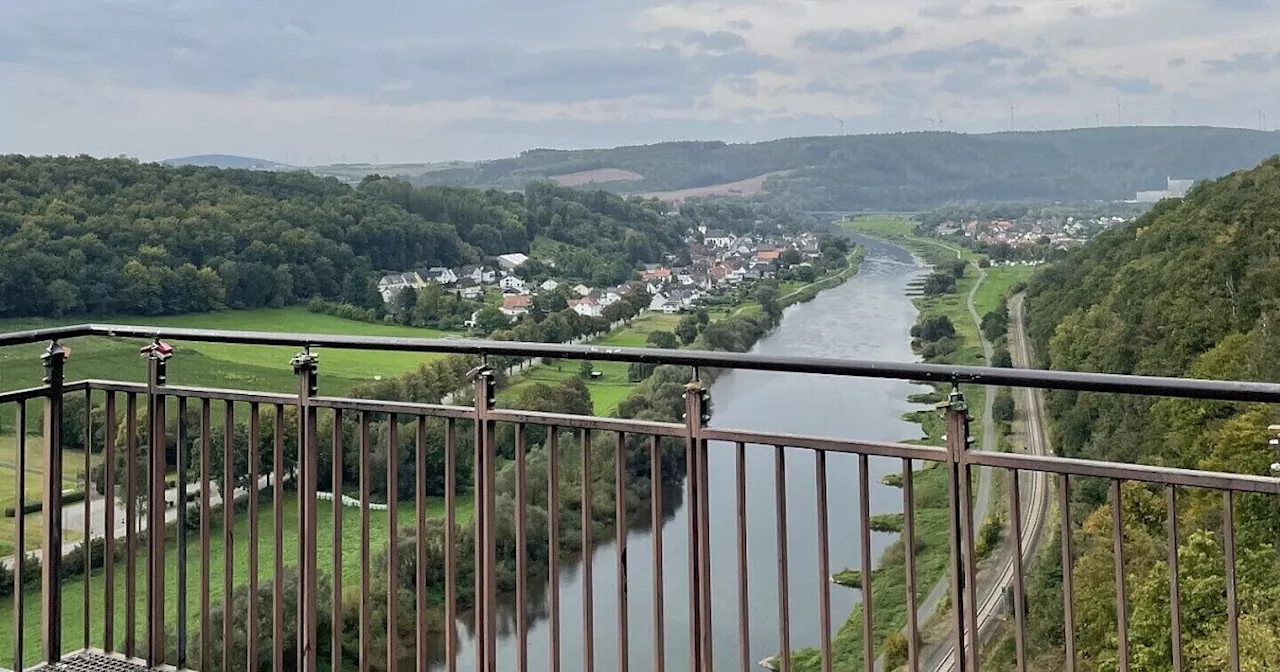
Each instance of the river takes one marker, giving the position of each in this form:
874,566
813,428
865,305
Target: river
868,317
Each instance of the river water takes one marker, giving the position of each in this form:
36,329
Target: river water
868,317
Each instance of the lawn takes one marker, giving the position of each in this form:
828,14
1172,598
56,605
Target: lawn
219,365
999,280
73,470
73,589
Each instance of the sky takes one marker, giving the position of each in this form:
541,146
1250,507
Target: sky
326,81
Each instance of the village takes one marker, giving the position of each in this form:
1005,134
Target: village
717,262
1056,232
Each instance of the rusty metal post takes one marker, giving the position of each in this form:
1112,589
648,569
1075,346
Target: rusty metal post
54,359
157,354
486,553
304,367
697,414
956,413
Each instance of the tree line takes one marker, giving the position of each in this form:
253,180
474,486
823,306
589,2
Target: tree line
85,236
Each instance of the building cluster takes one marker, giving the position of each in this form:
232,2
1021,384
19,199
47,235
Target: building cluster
1058,232
1173,189
717,261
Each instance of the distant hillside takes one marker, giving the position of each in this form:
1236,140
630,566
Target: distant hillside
223,161
905,171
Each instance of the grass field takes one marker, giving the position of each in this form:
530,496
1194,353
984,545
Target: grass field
215,364
73,590
612,387
73,472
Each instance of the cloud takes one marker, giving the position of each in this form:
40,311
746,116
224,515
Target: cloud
720,40
1002,10
976,53
1255,62
1239,5
1130,85
849,41
943,10
1176,62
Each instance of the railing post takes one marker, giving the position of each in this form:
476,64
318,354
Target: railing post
485,552
54,359
697,414
956,413
157,354
305,366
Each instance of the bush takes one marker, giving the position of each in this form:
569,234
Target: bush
989,537
68,497
1002,409
896,651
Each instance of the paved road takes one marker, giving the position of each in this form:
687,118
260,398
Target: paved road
1035,503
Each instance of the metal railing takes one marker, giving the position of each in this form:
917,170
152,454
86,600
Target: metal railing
149,534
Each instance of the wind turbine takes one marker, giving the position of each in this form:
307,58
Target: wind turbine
839,120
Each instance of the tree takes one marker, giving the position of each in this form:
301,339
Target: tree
956,267
939,283
767,296
1002,409
934,328
491,319
789,257
403,303
662,339
687,329
588,367
1001,358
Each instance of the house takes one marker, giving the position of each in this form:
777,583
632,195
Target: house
483,275
663,304
515,306
685,279
471,323
586,307
717,274
549,285
683,298
390,285
654,287
768,254
510,262
467,288
581,290
441,274
661,273
511,285
718,238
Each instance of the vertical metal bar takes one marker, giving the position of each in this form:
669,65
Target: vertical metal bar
450,530
393,560
522,625
420,580
1233,612
704,552
478,521
864,511
784,599
206,520
968,527
1122,604
228,494
304,367
365,444
87,530
131,524
1068,583
277,510
181,502
255,435
744,606
156,468
693,420
51,555
553,539
588,600
1019,592
957,436
620,526
109,523
824,559
909,542
336,629
655,523
1175,590
20,558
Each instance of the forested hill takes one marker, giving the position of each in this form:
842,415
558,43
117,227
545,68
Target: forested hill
102,237
1190,289
906,171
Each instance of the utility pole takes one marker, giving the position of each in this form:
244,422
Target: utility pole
1119,113
1013,121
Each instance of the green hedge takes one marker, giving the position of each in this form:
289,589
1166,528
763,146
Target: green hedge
68,497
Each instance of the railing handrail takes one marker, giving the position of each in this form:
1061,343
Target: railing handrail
1218,390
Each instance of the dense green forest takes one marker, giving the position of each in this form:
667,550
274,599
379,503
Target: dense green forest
907,171
1190,289
90,236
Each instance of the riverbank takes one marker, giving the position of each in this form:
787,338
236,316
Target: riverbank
975,293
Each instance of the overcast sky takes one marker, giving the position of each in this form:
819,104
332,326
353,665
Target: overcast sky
320,81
